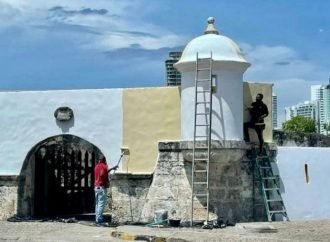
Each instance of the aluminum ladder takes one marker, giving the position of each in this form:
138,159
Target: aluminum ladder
202,137
270,188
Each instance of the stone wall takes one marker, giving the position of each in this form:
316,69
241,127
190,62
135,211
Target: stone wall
8,196
127,196
234,193
133,197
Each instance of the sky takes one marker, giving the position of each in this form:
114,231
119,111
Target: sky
57,44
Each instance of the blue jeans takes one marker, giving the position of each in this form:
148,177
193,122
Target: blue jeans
100,201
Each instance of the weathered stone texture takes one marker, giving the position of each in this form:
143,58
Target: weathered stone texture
8,196
230,182
8,202
127,196
135,199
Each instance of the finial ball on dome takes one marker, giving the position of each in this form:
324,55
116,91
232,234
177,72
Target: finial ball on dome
211,20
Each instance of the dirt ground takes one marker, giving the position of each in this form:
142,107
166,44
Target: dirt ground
318,230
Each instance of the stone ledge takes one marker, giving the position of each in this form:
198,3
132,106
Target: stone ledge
11,180
188,145
131,176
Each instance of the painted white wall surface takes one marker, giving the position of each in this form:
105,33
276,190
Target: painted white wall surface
227,118
27,117
305,201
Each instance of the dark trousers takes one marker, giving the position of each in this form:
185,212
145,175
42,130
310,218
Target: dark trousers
259,128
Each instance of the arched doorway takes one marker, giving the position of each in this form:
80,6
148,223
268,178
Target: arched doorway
61,179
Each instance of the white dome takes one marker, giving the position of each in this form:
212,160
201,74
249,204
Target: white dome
223,49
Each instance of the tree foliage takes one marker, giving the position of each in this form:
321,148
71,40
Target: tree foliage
326,126
300,124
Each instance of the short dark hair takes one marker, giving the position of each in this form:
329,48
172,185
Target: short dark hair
261,95
102,158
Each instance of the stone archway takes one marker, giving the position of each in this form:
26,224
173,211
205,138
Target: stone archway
57,178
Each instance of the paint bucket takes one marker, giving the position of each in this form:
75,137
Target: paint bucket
174,222
161,216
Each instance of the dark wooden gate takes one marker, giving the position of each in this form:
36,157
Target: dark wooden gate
64,179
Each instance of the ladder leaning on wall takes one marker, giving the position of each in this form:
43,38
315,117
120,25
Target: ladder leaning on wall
270,188
202,137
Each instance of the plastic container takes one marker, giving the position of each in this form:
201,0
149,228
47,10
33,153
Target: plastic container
174,222
161,216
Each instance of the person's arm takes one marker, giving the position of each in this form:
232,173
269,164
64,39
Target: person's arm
265,112
113,168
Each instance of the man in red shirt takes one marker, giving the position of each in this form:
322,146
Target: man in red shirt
101,184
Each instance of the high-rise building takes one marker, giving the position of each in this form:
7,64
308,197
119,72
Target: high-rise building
306,109
320,94
173,76
274,110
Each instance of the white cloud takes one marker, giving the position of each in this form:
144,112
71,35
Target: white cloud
280,62
291,74
117,26
124,40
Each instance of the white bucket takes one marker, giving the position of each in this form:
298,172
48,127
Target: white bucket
161,216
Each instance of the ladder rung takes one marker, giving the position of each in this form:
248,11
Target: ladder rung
270,189
265,167
275,200
202,114
200,183
205,91
205,58
202,125
200,148
201,159
270,178
204,69
200,136
202,102
200,171
204,80
200,194
277,211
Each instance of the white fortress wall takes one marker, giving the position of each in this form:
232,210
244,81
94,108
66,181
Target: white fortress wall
27,117
304,200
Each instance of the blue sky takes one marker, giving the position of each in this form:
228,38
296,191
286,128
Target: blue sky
57,44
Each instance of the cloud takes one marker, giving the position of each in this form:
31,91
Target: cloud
102,25
59,10
291,74
124,40
280,62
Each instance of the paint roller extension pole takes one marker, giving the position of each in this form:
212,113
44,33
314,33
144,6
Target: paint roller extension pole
124,151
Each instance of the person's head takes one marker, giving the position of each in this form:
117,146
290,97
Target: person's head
259,97
102,159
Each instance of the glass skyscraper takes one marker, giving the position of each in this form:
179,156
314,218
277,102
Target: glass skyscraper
173,76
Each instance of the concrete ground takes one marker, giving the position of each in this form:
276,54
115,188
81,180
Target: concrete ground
83,231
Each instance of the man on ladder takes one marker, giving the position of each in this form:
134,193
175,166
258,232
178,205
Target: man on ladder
258,112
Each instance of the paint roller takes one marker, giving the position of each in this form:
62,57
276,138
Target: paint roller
124,151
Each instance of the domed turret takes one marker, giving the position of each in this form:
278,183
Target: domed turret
223,50
229,65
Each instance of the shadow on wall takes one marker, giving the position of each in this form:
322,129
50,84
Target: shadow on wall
65,126
215,133
57,177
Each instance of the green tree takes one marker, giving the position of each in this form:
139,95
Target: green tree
300,124
326,126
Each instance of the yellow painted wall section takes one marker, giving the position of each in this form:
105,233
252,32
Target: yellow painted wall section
150,115
250,91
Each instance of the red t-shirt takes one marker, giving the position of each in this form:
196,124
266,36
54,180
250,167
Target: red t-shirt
101,175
